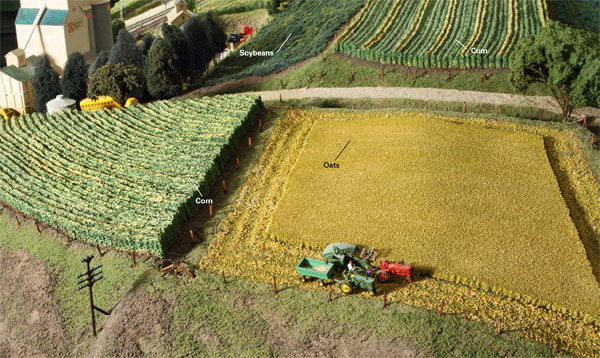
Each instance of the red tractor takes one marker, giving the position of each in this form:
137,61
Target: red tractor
387,269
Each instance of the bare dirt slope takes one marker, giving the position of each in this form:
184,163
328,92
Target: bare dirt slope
30,325
135,328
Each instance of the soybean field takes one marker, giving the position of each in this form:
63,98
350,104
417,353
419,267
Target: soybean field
441,33
120,178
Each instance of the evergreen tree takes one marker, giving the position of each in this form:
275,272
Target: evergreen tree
74,79
100,61
117,26
200,48
125,51
118,81
191,5
565,60
216,34
46,85
179,46
164,81
146,43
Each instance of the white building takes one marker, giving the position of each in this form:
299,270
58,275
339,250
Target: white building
56,28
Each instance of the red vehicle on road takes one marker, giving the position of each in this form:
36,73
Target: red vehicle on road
387,269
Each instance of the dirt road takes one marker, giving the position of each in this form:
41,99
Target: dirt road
429,94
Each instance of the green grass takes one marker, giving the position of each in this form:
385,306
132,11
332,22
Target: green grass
233,23
220,7
64,265
241,318
336,70
442,196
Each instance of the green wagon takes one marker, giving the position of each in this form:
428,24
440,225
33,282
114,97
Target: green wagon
309,269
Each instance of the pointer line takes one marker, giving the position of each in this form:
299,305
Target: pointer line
342,151
284,42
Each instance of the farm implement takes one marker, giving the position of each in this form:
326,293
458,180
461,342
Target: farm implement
387,269
310,269
336,268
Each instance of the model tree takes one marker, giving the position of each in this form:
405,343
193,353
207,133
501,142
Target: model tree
74,79
45,84
200,48
100,61
164,81
116,80
145,44
273,6
191,5
117,26
125,51
216,34
179,46
565,60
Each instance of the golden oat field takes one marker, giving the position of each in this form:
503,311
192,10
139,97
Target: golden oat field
451,198
246,246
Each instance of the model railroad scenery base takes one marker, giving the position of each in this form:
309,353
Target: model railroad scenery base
123,178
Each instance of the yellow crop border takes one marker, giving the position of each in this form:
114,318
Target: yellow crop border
241,249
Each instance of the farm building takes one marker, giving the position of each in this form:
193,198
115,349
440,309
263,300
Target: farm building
179,14
16,84
55,28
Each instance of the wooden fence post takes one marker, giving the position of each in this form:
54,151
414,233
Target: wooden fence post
280,99
381,72
425,105
192,235
237,162
224,183
384,299
249,142
585,118
37,226
133,258
389,104
441,310
223,275
210,210
500,109
260,124
274,285
498,327
464,107
329,300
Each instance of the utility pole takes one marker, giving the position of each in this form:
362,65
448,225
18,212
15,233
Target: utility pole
88,279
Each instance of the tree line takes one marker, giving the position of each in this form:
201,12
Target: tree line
158,67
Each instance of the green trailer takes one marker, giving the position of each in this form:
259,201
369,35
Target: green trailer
309,269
